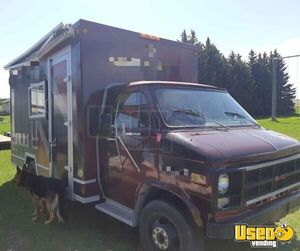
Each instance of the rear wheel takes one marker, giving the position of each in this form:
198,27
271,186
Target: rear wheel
164,227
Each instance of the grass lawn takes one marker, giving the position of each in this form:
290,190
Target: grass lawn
289,126
87,229
4,124
298,109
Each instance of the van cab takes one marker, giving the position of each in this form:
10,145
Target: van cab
185,156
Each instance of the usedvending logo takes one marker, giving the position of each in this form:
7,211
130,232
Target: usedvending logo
264,236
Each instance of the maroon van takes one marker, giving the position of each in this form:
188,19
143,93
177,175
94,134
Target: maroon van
120,115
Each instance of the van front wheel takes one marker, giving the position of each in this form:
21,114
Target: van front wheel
164,227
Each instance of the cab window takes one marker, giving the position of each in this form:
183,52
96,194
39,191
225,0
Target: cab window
132,113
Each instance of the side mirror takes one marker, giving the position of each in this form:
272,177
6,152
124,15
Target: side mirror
106,118
105,124
145,132
113,131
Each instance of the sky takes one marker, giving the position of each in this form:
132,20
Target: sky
231,24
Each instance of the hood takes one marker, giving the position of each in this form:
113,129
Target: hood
232,147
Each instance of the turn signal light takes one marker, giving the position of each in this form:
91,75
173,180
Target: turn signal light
198,178
143,35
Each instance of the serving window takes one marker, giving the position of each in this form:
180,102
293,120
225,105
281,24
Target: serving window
37,100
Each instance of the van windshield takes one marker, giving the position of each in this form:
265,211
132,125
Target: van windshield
206,108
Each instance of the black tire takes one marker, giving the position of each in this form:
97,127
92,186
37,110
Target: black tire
163,227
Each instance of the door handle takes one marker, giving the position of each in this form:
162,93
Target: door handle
67,123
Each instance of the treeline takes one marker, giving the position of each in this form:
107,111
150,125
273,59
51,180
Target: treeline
249,82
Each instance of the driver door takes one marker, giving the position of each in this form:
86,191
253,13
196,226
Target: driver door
125,148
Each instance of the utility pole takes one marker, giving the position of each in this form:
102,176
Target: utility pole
274,89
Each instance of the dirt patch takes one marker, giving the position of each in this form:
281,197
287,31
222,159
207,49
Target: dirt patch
17,242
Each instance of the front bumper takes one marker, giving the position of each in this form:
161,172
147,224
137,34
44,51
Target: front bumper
268,213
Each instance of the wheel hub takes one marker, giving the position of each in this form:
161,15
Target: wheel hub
160,238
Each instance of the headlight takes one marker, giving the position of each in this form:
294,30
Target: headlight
223,184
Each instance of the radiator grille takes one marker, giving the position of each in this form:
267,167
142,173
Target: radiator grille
269,179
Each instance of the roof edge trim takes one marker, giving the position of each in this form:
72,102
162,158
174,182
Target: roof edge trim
42,40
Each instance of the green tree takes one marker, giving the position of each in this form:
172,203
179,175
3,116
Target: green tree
249,82
262,82
240,82
184,37
189,38
193,38
212,65
286,93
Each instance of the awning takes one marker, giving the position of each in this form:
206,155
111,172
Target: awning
57,35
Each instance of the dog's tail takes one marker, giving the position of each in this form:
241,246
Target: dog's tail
61,214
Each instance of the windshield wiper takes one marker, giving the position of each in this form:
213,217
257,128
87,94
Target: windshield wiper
190,112
218,123
201,115
243,117
235,114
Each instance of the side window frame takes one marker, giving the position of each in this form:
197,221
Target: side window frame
35,86
150,115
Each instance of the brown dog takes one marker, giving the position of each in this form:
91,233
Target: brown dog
43,189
